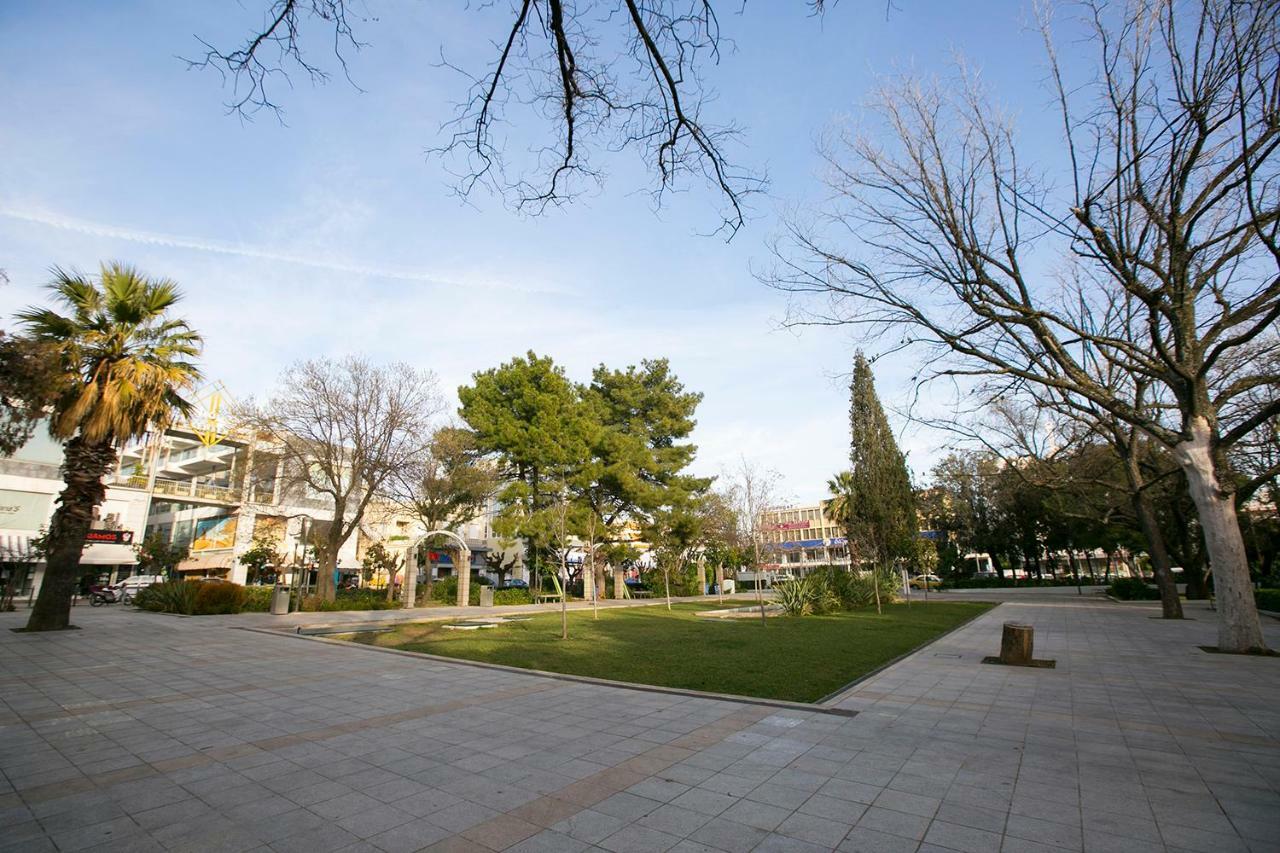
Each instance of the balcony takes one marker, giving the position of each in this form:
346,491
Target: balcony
196,492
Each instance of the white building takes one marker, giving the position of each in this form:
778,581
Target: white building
30,482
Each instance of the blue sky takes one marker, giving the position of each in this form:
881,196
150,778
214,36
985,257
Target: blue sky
334,233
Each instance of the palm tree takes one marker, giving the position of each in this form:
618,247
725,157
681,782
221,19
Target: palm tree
838,506
124,364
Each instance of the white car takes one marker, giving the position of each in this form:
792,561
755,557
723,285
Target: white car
133,584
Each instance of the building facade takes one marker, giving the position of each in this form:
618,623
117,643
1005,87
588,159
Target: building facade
798,538
218,498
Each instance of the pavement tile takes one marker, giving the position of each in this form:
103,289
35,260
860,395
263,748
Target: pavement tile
966,839
728,835
589,825
702,800
635,838
894,823
863,840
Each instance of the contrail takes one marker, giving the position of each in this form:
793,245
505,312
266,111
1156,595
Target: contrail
153,238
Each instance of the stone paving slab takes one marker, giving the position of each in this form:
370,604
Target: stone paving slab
149,733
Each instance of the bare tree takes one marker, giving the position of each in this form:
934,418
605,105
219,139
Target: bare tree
446,485
608,75
342,429
753,491
1168,225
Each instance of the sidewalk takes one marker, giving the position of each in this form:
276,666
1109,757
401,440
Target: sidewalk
142,732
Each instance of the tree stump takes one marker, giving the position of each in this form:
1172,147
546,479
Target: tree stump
1016,644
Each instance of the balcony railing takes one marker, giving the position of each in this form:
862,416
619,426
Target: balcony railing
193,489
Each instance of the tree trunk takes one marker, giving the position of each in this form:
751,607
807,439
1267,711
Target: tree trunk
1170,605
599,569
619,584
720,582
1239,627
83,467
325,588
564,601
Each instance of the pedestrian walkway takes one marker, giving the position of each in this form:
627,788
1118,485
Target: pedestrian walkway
144,732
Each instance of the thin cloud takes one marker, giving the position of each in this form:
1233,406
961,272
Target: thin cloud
153,238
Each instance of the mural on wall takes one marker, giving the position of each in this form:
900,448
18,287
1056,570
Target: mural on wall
270,528
215,533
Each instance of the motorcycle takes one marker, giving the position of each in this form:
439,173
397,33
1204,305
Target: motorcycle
100,595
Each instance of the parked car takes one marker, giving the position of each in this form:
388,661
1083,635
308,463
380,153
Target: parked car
925,582
137,582
515,583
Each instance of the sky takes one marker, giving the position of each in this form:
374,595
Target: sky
333,232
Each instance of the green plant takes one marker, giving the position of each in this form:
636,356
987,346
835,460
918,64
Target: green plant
811,594
1267,599
355,599
506,597
215,598
169,597
261,562
257,599
159,556
1133,589
793,597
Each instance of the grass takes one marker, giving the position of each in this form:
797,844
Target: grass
800,659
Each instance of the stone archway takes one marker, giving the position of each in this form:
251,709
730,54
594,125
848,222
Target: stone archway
461,567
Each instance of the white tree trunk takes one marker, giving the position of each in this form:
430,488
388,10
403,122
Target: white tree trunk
462,568
409,586
1239,628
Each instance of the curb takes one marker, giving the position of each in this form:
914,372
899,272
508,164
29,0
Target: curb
781,704
836,695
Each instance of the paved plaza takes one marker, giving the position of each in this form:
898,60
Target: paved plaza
145,732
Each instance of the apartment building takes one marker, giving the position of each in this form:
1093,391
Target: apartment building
801,537
216,497
30,481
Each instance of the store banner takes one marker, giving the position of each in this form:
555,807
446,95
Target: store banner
24,510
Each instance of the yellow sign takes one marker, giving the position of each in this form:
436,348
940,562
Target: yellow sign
209,425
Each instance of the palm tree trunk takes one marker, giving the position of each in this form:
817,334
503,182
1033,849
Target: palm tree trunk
83,467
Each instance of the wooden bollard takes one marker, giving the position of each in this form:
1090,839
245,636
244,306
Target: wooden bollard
1016,644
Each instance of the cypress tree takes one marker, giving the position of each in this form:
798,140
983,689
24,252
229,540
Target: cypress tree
881,509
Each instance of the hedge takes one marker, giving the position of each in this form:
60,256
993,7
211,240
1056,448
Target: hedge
1267,599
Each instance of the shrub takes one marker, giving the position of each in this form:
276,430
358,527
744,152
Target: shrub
860,589
352,599
1133,589
793,597
169,597
809,594
512,596
1268,599
257,599
214,598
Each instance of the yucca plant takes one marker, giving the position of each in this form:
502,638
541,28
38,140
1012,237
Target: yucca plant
125,364
793,597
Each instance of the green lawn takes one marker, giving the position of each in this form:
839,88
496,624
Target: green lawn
801,659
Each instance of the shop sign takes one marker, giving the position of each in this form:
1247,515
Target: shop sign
109,537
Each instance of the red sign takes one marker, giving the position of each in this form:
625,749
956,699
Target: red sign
791,525
110,537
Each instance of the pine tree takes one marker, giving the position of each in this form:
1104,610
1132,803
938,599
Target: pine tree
880,511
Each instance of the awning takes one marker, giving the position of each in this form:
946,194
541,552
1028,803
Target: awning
218,563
